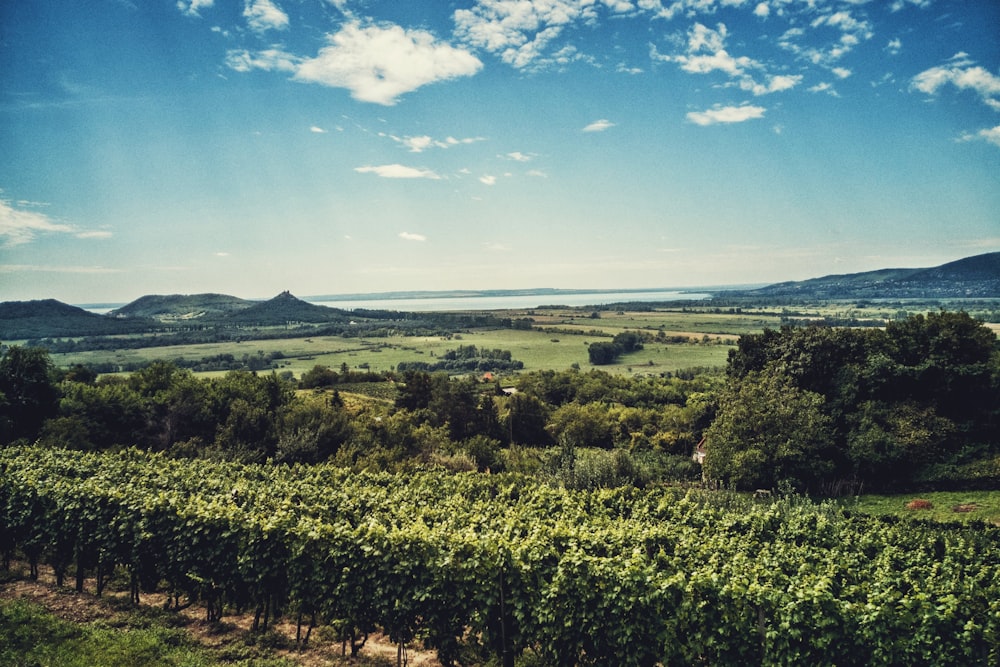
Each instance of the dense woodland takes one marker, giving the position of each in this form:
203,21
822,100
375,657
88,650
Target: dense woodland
809,409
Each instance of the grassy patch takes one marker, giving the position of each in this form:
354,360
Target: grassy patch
29,635
962,506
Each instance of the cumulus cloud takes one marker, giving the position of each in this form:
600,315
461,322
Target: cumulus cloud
848,32
991,135
194,7
410,236
964,74
706,53
317,130
18,226
894,46
518,156
380,63
488,180
599,125
264,15
397,171
724,115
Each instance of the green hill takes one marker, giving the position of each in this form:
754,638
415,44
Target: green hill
174,307
48,318
972,277
284,309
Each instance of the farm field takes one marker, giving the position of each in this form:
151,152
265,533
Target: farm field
558,340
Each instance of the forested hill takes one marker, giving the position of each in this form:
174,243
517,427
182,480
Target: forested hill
48,317
24,320
182,306
972,277
287,308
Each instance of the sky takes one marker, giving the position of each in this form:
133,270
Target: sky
248,147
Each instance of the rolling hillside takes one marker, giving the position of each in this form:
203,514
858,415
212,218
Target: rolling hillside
972,277
175,307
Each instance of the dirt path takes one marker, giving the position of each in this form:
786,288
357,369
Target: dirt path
86,607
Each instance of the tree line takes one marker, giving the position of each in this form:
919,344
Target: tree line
822,409
810,409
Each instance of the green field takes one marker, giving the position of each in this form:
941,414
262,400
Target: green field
559,340
960,506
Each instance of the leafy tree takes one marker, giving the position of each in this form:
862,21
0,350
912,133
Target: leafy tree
769,434
602,353
28,393
312,431
588,425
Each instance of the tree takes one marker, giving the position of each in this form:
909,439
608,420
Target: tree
28,393
602,353
768,433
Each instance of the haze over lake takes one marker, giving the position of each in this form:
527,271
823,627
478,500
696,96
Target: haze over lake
439,303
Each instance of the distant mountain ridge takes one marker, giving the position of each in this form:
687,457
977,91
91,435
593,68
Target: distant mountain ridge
50,318
972,277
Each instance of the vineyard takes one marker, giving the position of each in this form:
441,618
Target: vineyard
502,569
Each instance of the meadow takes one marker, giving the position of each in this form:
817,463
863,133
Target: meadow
558,340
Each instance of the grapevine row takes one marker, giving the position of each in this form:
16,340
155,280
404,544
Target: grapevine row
480,566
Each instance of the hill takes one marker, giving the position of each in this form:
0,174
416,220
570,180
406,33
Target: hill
283,309
175,307
48,318
972,277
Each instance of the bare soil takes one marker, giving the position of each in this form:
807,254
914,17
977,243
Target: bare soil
232,632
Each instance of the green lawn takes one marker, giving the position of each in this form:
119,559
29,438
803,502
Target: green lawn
963,506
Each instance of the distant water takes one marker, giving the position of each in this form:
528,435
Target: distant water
445,303
426,304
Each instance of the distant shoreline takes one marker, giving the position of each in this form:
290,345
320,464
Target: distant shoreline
684,293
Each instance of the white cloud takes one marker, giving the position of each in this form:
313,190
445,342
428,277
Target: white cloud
518,156
992,135
18,227
421,143
264,15
94,234
964,75
841,72
380,63
222,254
599,125
194,7
762,10
825,87
731,114
706,53
537,173
410,236
488,180
269,60
397,171
517,30
894,46
317,130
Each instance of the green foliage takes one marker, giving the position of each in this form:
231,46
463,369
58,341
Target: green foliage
493,565
896,402
28,395
768,434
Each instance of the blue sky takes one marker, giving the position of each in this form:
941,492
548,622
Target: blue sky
338,146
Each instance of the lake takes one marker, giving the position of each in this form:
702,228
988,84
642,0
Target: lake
478,302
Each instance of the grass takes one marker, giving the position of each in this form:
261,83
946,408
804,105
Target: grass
960,506
30,635
559,340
